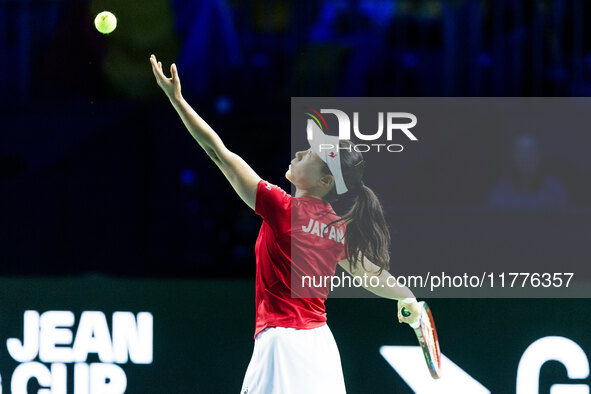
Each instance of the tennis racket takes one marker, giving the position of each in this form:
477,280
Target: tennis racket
427,335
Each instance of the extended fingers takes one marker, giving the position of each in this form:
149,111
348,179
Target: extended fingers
174,71
157,68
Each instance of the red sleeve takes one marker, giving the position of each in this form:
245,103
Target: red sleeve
273,204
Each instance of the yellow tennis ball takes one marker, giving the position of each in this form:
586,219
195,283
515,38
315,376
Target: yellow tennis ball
105,22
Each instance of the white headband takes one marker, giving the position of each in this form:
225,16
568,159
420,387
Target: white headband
326,147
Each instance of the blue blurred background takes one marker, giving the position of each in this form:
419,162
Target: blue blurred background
101,184
98,174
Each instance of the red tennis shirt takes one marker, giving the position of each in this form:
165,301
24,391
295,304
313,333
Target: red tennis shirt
295,252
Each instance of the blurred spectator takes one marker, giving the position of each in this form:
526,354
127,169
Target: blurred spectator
527,187
210,49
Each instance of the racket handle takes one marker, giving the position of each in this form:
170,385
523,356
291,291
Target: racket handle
406,313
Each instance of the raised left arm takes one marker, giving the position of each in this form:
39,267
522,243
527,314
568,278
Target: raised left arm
241,176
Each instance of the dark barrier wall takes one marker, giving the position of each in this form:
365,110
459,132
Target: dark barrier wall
202,336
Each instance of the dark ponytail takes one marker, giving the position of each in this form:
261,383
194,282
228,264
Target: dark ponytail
367,233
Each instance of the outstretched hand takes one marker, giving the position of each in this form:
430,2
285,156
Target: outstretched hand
170,86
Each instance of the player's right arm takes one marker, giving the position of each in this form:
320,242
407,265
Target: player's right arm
241,176
387,287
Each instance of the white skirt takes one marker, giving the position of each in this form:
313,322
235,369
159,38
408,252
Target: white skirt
293,361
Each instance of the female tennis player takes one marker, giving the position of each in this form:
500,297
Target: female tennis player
294,350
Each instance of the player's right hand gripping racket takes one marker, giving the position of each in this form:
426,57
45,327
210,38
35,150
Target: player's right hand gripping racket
427,336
